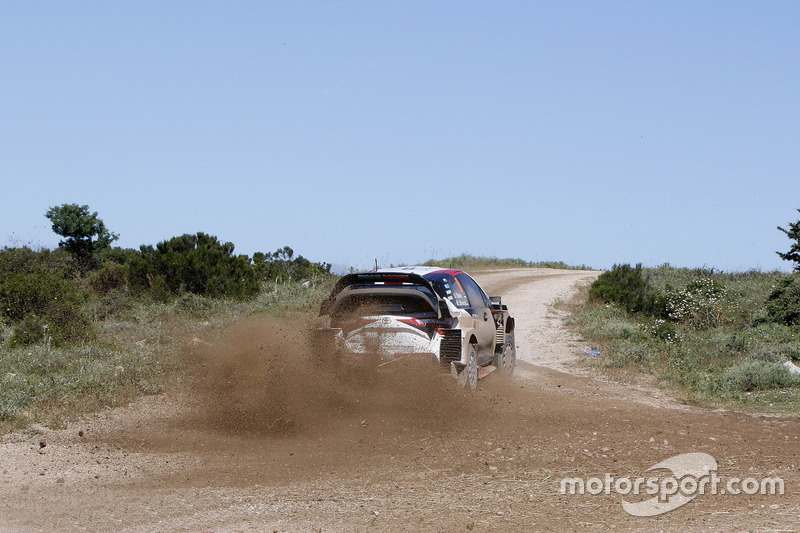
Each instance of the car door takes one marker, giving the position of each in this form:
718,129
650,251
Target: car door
480,307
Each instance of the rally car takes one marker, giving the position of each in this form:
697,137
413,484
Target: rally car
424,313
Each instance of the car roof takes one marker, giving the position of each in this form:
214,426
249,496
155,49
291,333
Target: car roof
421,270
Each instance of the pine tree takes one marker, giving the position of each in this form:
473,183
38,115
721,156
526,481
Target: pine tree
84,233
794,252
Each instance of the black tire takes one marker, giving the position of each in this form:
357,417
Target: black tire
469,376
506,359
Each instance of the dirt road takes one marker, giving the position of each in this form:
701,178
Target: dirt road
257,438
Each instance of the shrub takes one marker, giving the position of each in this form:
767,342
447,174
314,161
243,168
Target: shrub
618,330
698,305
767,355
777,354
760,375
40,300
198,264
109,277
783,305
282,265
627,287
791,351
195,305
665,331
113,303
20,260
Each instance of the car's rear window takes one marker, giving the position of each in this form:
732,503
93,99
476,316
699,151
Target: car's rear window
383,304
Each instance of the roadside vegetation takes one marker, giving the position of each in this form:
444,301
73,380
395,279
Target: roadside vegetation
88,325
474,263
714,337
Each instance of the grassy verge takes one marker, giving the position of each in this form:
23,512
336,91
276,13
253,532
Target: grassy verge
471,262
714,344
134,351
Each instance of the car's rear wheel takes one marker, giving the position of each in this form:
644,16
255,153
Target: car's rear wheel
469,376
506,359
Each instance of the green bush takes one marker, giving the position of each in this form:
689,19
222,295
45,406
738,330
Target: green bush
760,375
40,299
114,303
665,331
777,354
618,330
20,260
627,287
783,305
198,264
767,355
282,265
109,277
195,305
698,305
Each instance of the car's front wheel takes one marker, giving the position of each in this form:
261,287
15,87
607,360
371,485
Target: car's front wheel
506,359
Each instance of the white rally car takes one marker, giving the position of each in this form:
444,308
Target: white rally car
428,313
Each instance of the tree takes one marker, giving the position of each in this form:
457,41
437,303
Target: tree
198,264
281,264
794,252
84,234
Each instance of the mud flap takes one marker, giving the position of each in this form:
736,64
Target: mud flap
456,369
483,371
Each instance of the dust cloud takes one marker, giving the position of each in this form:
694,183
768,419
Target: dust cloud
270,376
263,401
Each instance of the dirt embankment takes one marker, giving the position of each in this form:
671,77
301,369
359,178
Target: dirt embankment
260,438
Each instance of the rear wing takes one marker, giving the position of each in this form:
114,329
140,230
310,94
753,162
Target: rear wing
497,303
366,279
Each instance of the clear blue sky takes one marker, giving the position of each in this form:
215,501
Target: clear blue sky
588,132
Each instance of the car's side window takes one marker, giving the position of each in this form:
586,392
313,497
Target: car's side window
477,298
449,287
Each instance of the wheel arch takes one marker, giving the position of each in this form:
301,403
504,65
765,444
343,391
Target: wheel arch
469,340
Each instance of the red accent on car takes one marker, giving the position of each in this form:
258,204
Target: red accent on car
447,271
417,323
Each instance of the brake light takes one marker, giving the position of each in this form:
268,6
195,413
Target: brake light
395,277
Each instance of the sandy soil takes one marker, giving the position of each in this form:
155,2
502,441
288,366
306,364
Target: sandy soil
260,438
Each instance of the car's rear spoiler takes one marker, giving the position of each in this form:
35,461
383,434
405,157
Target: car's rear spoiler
378,278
